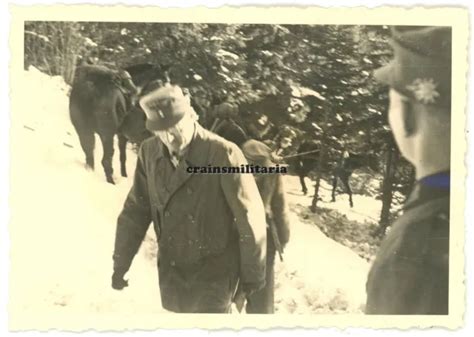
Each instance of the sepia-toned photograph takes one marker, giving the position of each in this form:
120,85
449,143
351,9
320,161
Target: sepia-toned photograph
279,169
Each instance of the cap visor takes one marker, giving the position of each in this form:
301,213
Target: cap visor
163,123
385,74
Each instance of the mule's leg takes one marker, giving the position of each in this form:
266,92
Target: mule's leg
87,140
334,187
345,181
108,145
303,185
316,196
122,142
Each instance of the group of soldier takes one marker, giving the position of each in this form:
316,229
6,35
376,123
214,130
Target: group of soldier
218,235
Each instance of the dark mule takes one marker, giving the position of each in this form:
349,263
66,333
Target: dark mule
143,74
102,102
305,161
348,163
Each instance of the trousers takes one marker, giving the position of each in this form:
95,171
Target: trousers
262,301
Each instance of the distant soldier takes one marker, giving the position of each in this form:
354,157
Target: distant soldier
411,272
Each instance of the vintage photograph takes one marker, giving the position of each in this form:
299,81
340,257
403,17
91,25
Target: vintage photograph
234,168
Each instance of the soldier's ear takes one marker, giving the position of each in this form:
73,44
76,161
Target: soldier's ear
409,118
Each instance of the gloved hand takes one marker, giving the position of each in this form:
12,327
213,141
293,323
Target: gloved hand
276,158
118,283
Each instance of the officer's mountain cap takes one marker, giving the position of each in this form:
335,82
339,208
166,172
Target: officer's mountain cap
165,107
421,68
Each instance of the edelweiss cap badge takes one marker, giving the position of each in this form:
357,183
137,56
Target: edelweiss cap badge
421,68
424,90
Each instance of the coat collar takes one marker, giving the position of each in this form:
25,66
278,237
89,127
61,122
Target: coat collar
197,155
429,188
198,151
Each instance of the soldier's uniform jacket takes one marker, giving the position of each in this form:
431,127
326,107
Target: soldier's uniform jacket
411,272
270,186
211,227
272,191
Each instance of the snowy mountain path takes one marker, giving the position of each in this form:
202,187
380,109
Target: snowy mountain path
63,220
318,275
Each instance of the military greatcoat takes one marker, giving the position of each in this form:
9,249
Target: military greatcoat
211,228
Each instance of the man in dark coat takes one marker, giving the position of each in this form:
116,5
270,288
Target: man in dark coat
210,227
411,272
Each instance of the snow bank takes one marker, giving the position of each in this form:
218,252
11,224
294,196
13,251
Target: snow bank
63,218
63,221
318,275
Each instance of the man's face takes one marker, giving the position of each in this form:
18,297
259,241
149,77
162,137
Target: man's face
172,138
179,136
285,142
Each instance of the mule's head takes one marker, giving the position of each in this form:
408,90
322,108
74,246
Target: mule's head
134,126
143,74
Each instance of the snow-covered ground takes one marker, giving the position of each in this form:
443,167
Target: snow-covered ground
63,218
63,221
319,275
